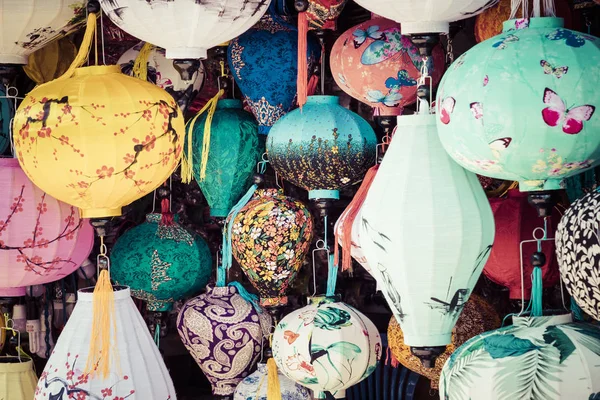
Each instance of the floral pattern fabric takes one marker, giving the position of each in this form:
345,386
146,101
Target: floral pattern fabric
322,14
254,387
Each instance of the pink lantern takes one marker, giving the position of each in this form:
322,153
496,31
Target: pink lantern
375,64
41,238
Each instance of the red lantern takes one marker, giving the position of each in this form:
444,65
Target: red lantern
516,220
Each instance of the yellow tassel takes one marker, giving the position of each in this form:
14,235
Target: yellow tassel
140,66
101,352
273,389
84,49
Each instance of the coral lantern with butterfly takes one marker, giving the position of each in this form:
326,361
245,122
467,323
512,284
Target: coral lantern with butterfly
375,64
521,106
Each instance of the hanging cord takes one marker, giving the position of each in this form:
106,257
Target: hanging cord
140,65
166,218
47,322
331,267
84,49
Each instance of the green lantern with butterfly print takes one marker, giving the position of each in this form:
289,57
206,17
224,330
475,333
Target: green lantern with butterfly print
522,105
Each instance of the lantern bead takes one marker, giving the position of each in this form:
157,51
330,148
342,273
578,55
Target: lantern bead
428,355
93,6
301,5
538,259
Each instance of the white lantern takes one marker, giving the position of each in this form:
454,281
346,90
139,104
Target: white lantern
185,28
28,25
427,230
137,370
426,16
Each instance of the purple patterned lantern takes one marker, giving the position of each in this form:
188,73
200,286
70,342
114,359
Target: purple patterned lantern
223,332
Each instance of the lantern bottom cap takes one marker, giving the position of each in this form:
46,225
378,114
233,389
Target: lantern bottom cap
13,59
186,52
219,212
409,28
273,301
323,194
421,340
100,212
339,394
537,185
13,292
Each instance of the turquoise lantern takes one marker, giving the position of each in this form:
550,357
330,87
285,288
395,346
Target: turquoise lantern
521,105
161,261
322,147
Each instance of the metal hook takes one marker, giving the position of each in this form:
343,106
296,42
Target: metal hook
261,166
10,328
319,246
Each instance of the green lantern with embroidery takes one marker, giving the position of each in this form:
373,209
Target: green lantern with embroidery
161,262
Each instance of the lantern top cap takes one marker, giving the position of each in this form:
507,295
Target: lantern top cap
323,100
87,294
536,22
9,162
97,70
229,103
546,320
12,365
416,120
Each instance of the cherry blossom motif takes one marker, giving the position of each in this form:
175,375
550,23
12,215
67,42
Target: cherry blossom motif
104,172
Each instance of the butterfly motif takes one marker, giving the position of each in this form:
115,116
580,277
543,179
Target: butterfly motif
500,144
384,48
446,108
477,110
573,39
522,23
403,80
290,336
486,80
549,69
372,32
392,99
501,44
571,119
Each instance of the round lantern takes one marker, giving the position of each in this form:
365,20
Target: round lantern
270,238
224,334
520,106
255,387
51,61
322,147
477,317
29,25
577,251
136,370
516,221
425,210
426,16
326,346
264,64
536,358
161,262
185,28
7,112
98,140
182,79
375,64
233,154
41,239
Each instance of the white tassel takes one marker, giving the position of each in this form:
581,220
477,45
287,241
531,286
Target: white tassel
549,9
514,7
537,8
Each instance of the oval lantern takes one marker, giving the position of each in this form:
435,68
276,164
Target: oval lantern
270,239
182,79
577,251
444,225
256,384
41,239
185,28
161,262
224,333
327,347
529,119
536,358
7,112
322,147
233,154
375,64
98,140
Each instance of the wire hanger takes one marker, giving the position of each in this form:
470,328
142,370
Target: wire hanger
9,328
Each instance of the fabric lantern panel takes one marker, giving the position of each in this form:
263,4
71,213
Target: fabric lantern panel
521,105
322,14
18,379
98,140
7,112
188,28
322,147
375,64
51,61
356,250
255,387
536,358
41,239
161,262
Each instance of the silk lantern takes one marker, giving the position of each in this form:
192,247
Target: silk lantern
138,370
536,358
234,150
445,227
7,112
51,61
516,221
41,239
270,239
223,332
322,147
327,347
520,106
256,384
375,64
18,379
188,28
29,25
98,140
161,262
426,16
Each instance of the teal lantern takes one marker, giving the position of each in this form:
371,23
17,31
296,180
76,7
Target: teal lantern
233,152
322,147
521,105
161,262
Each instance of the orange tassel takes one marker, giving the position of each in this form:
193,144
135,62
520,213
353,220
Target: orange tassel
302,81
312,84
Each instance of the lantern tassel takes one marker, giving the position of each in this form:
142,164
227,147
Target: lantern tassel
536,292
84,49
167,216
302,81
273,388
246,295
576,310
312,84
140,65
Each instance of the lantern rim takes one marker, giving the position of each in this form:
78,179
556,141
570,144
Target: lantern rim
412,27
12,364
97,70
100,212
9,162
13,291
535,22
323,194
13,59
323,99
186,52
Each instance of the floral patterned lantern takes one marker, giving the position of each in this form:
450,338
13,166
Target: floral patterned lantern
98,140
161,262
322,147
255,387
375,64
41,239
270,238
138,372
215,322
326,346
18,379
535,358
521,105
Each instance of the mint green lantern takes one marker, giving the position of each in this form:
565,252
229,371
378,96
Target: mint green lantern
161,262
232,156
521,105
